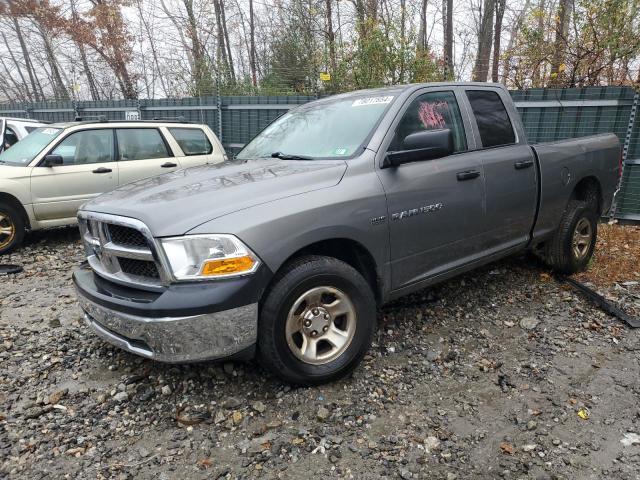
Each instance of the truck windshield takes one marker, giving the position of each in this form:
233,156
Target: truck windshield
326,130
23,152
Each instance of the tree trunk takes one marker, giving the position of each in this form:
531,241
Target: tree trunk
497,33
19,88
485,35
252,43
226,41
560,42
38,95
448,39
513,35
153,49
93,90
422,30
17,65
59,87
331,40
221,49
203,83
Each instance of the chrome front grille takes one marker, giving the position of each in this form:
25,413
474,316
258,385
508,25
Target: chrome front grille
122,250
127,236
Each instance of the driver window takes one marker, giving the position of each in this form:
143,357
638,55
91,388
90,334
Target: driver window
431,111
86,147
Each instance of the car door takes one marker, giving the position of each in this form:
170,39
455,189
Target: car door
88,169
509,167
435,207
197,148
143,152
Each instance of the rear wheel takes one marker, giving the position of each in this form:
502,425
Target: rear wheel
11,228
572,246
317,321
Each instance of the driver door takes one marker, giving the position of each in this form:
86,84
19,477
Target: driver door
435,207
88,169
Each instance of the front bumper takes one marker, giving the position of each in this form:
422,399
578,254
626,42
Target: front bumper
219,320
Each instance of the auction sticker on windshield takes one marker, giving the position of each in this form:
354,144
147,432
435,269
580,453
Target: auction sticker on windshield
50,131
371,101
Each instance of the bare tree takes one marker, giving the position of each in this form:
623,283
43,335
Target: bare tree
485,35
497,34
447,14
252,43
560,41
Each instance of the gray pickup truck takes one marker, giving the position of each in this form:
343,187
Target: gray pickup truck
337,207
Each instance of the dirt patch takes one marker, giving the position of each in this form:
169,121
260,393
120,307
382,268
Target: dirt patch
616,258
501,373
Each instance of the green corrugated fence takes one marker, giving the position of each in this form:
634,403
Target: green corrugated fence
547,114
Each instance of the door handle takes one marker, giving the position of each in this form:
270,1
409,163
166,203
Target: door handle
102,170
468,175
523,164
169,165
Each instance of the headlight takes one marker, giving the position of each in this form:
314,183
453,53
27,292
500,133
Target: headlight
194,257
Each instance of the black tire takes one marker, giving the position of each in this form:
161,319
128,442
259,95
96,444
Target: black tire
10,218
289,286
560,253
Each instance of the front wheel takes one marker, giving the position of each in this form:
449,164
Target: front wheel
571,248
11,228
317,321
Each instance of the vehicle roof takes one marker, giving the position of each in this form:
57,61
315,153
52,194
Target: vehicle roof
402,89
119,123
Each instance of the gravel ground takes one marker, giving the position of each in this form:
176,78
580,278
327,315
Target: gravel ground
502,373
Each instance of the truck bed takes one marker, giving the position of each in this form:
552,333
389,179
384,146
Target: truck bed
562,163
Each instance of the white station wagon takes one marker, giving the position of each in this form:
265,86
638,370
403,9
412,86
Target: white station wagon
45,177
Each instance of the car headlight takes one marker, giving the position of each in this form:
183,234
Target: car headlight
194,257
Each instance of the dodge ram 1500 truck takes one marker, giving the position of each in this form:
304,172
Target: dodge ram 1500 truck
338,206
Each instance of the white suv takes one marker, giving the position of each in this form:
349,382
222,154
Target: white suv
13,130
45,177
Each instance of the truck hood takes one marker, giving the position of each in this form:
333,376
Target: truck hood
174,203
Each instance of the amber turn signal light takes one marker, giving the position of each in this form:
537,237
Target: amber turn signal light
226,266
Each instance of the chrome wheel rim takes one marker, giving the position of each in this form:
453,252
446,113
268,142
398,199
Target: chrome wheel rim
582,238
320,325
7,230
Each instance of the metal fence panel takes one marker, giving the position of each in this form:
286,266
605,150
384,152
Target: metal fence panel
547,114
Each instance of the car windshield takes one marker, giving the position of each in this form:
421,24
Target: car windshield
326,130
23,152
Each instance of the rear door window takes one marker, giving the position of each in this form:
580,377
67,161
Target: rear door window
192,141
140,144
492,118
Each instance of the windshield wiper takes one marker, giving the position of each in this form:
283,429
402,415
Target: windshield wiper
286,156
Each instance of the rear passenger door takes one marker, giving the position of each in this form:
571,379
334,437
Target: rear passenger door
143,152
197,148
509,168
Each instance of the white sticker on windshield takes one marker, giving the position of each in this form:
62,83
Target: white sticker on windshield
371,101
50,131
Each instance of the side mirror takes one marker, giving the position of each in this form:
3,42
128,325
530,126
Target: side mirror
426,145
53,160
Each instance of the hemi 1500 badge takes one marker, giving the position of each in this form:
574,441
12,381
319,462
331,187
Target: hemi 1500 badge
417,211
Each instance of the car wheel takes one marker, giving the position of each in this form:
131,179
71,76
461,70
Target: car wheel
572,246
316,322
11,228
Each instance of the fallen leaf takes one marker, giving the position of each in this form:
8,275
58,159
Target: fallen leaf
507,448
